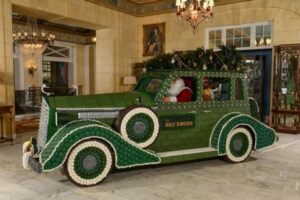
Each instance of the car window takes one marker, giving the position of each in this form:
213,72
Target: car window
215,89
149,84
238,89
154,85
181,90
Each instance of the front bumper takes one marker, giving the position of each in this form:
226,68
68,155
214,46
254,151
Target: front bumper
35,165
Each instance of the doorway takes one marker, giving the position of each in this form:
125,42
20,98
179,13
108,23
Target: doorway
258,67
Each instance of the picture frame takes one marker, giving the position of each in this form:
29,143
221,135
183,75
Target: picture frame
154,39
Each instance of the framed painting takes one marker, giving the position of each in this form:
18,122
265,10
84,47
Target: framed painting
154,39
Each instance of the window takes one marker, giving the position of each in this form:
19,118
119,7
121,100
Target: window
47,72
55,74
216,89
215,39
263,35
239,89
245,36
239,37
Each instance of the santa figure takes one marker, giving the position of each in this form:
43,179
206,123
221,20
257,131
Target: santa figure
178,92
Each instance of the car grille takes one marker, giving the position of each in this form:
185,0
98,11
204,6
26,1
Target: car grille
44,119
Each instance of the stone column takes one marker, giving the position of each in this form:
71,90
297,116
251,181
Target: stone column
105,70
7,94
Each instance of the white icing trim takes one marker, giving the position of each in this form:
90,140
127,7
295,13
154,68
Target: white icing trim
255,103
149,113
97,137
43,125
227,146
186,152
69,123
74,153
90,109
243,124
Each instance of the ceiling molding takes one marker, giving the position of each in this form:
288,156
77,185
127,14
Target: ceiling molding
142,8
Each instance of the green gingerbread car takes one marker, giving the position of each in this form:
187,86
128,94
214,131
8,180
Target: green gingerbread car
90,135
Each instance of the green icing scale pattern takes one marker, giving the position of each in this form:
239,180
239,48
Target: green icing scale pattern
145,134
97,169
126,153
264,136
217,129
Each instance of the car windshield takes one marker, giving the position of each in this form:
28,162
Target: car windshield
149,84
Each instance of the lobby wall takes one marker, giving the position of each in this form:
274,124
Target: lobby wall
285,16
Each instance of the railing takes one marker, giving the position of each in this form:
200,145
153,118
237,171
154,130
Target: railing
29,101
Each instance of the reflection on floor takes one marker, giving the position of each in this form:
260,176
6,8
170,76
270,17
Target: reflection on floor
272,174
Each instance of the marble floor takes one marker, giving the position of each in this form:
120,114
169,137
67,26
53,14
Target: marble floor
271,174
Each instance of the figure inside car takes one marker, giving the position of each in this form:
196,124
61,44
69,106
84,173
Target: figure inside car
179,91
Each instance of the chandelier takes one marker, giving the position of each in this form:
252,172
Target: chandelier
195,11
31,40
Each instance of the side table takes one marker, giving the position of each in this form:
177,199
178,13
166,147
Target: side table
6,110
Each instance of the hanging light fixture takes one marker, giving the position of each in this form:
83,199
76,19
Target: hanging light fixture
195,11
32,41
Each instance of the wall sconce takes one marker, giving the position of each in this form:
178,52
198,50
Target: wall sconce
94,39
31,69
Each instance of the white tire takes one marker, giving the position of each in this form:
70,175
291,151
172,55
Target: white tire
89,163
139,125
238,145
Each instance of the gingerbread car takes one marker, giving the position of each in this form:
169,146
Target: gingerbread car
88,136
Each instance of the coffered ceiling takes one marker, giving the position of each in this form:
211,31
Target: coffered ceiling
219,2
142,8
144,1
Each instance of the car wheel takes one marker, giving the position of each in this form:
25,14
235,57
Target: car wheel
89,163
140,125
238,145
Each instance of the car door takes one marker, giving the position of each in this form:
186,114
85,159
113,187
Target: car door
178,120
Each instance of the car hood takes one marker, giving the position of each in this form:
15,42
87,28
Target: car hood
108,100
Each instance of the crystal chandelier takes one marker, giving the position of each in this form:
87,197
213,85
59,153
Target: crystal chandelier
31,40
195,11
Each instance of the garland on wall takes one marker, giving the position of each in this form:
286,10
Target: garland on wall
226,59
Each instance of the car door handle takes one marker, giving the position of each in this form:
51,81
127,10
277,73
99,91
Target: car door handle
206,111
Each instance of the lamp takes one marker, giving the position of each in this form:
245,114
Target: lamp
129,80
31,69
195,11
32,41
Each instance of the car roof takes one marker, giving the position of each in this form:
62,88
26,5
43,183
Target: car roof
166,73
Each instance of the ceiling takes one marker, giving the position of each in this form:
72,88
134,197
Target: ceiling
218,2
144,1
22,19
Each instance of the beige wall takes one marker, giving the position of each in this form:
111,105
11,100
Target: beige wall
119,36
80,62
284,14
6,60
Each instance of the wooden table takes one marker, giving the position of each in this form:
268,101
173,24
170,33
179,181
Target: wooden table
6,110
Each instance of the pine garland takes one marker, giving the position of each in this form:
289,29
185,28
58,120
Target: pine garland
226,59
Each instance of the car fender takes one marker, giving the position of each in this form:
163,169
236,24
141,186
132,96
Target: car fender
263,135
127,154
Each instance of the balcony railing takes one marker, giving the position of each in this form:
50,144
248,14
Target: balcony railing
29,101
